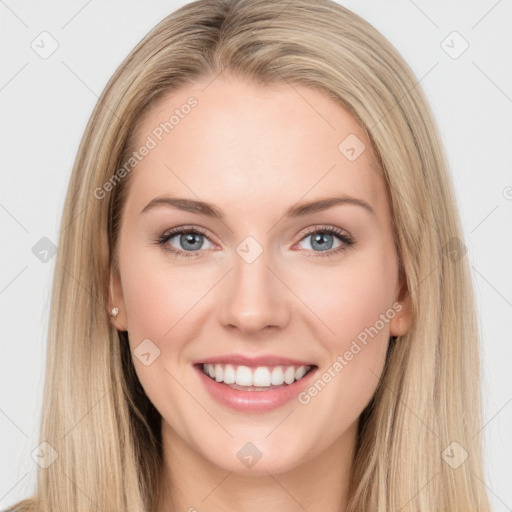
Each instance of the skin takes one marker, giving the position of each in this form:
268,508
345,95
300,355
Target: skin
254,152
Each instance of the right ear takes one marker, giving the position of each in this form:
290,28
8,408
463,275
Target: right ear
117,301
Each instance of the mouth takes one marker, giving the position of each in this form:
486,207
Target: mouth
254,384
255,378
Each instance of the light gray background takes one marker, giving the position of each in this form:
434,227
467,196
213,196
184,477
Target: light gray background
45,104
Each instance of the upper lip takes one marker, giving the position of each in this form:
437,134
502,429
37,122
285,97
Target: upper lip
253,361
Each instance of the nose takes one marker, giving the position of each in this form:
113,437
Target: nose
253,298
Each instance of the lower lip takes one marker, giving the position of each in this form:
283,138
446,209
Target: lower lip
254,401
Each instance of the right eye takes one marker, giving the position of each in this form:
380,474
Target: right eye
188,240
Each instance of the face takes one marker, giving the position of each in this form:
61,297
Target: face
258,281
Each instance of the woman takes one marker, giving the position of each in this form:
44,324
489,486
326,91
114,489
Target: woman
316,345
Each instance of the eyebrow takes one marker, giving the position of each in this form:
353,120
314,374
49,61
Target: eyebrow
210,210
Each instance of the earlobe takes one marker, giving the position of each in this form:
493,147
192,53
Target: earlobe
117,310
401,322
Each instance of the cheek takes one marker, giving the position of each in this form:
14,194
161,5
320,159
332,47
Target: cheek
163,298
159,299
158,295
356,303
351,297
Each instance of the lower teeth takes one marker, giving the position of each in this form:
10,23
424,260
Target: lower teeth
253,388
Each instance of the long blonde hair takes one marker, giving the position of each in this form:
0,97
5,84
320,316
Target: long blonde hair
96,415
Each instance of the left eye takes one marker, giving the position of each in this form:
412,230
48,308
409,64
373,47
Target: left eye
321,241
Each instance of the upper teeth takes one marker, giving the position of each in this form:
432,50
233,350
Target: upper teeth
264,376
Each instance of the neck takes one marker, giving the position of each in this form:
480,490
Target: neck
194,484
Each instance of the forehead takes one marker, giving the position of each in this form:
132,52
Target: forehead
245,144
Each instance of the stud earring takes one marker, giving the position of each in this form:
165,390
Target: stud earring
115,312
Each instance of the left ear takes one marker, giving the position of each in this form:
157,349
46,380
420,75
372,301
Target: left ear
401,322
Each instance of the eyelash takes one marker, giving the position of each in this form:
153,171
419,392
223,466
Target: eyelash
345,238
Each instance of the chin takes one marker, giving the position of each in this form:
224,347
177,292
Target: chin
256,458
